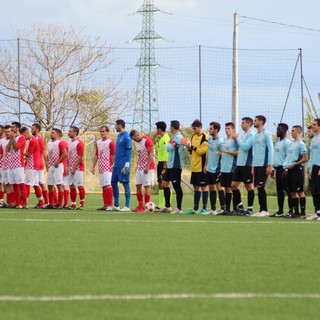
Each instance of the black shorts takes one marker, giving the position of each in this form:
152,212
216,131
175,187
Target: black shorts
199,179
159,170
260,176
315,180
173,174
295,179
281,181
213,178
243,174
226,179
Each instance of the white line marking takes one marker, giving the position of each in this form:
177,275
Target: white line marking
253,221
162,296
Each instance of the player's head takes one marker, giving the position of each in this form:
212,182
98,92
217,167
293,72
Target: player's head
73,132
259,121
135,135
104,131
16,126
35,128
316,126
161,126
229,128
296,132
174,125
26,132
196,126
55,134
246,123
282,129
310,132
120,125
1,129
7,131
214,128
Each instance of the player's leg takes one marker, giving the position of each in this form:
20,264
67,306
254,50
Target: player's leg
125,180
176,183
140,207
115,188
148,181
167,191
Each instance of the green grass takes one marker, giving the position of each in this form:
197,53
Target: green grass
67,253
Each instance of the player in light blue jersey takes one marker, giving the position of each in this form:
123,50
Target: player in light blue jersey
262,162
121,168
243,169
229,152
294,172
281,148
314,168
213,168
173,172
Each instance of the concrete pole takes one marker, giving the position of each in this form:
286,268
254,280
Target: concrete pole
235,106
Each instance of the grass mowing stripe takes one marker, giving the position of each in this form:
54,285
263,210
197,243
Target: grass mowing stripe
156,221
162,296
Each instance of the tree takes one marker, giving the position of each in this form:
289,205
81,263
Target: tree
58,70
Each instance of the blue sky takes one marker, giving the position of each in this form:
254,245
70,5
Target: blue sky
192,22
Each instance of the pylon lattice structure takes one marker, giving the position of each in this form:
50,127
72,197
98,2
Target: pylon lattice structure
146,110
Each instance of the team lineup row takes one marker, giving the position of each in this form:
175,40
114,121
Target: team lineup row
218,167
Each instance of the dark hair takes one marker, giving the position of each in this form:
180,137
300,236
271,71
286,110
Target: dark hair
37,125
23,130
298,127
76,129
230,124
248,119
161,125
58,131
1,126
262,118
6,127
283,125
104,127
121,123
309,127
175,124
17,124
133,132
317,121
196,123
216,125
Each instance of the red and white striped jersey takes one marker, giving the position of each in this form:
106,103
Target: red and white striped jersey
55,149
4,152
75,149
33,162
143,147
16,157
105,149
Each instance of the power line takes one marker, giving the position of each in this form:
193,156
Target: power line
280,24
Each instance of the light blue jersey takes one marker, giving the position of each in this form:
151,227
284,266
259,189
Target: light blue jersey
296,150
175,150
314,152
245,142
228,161
281,149
263,149
123,149
214,145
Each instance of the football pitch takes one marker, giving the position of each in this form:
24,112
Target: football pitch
60,264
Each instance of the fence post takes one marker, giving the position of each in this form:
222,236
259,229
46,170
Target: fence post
200,86
19,93
301,87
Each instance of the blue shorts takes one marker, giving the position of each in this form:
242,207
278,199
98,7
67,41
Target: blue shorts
117,176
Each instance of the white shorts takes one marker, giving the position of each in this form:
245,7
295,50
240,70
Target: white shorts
65,181
146,179
16,176
2,175
31,178
105,179
76,179
55,175
5,176
41,176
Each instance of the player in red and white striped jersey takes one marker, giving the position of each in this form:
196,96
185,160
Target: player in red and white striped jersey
56,154
65,183
16,146
76,167
145,168
104,155
35,130
2,137
32,155
4,158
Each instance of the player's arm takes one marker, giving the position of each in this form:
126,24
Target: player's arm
247,144
80,152
62,157
270,147
95,160
202,149
205,166
150,159
112,147
1,152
